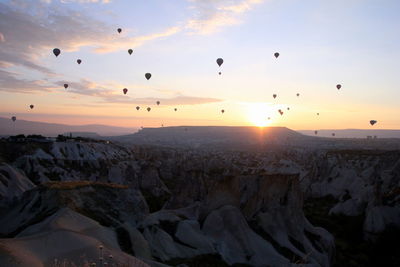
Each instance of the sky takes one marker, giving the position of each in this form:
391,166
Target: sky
321,44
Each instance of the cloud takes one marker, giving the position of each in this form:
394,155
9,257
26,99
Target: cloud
10,83
79,1
29,32
212,15
112,96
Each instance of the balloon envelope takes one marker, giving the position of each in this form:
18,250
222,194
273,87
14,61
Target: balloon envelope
158,103
274,95
175,109
31,106
222,111
276,54
372,122
125,91
137,108
13,118
65,85
220,61
130,51
148,109
56,51
316,132
79,61
119,30
148,76
338,86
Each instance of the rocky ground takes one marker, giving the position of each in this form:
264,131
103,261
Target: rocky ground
81,202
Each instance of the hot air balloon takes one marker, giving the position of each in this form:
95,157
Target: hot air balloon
79,61
119,30
276,54
274,95
315,132
288,108
13,118
162,125
137,108
333,134
148,109
158,103
65,85
175,109
31,106
269,118
56,52
148,76
280,112
219,73
125,91
317,114
222,111
338,86
372,122
220,61
297,94
130,51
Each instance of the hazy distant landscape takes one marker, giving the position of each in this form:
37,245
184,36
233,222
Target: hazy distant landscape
8,127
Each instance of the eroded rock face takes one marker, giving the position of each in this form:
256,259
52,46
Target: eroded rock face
13,183
172,204
363,182
68,238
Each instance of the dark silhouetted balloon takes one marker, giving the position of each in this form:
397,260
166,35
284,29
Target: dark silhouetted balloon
274,95
148,76
276,54
288,108
220,61
297,94
338,86
137,108
130,51
158,103
13,118
175,109
280,112
317,114
119,30
148,109
79,61
222,111
269,118
56,52
31,106
372,122
65,85
333,134
315,132
219,73
125,91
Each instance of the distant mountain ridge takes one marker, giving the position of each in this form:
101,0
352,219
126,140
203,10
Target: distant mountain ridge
8,127
354,133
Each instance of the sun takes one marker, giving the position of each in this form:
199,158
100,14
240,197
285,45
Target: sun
259,114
